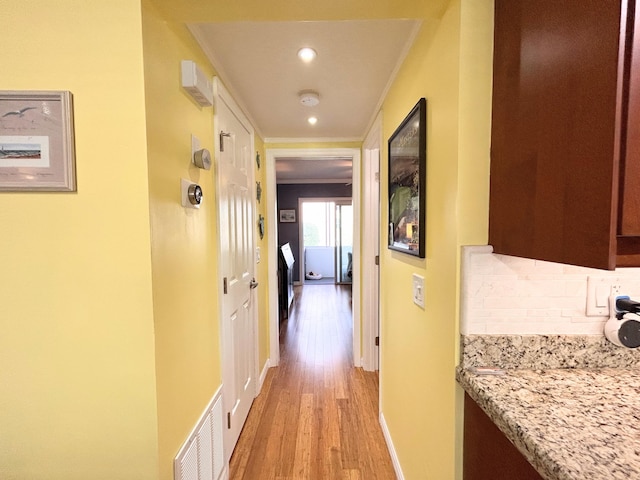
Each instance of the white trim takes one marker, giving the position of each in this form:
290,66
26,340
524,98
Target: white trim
222,75
371,245
263,376
272,221
392,451
272,263
311,140
315,180
392,78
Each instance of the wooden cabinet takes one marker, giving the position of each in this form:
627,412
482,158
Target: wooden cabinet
487,453
565,143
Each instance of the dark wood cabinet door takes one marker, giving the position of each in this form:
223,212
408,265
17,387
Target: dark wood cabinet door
487,453
629,224
554,170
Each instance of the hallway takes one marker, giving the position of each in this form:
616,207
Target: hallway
317,416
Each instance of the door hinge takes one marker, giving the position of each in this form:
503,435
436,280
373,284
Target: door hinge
377,260
224,285
229,420
222,135
377,341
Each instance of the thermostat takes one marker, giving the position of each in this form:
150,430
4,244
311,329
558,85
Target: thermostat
191,194
202,159
194,194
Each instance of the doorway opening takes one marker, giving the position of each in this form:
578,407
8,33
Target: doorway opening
277,226
326,241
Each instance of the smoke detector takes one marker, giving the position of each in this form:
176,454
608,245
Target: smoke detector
309,98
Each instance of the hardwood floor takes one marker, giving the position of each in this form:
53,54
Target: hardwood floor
317,416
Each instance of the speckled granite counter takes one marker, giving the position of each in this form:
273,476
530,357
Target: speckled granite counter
570,423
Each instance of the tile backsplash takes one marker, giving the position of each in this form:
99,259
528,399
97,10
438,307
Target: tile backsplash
501,294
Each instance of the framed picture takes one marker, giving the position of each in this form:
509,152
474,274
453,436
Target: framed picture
36,141
287,216
407,183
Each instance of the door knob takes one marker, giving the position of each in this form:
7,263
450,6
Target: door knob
253,284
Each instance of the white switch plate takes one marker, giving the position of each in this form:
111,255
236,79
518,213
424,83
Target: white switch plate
418,290
195,145
599,289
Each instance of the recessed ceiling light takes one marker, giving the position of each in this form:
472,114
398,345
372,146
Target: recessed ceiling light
312,120
307,54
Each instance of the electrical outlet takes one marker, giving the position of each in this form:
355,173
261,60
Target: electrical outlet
418,290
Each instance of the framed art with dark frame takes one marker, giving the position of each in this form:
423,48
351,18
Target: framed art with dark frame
36,141
408,183
288,216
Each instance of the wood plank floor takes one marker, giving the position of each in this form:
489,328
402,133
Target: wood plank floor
317,416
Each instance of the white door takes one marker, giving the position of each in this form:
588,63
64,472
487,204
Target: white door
236,220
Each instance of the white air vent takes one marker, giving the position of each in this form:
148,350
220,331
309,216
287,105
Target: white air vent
196,83
201,456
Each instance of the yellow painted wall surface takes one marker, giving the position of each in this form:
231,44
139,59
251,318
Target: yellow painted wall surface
77,381
420,398
296,10
184,240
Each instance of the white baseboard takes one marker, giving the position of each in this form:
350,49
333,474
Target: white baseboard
263,375
391,448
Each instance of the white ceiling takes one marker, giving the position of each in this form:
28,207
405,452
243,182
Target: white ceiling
356,62
316,170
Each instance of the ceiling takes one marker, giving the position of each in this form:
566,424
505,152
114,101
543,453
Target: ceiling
314,170
355,64
258,63
253,44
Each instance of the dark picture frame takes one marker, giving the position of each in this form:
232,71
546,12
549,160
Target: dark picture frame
288,216
408,183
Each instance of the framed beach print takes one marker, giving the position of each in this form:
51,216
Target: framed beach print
287,216
407,183
36,141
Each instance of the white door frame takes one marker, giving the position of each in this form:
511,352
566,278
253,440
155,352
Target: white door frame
371,245
272,222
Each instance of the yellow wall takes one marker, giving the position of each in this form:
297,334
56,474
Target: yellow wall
420,398
77,381
91,276
184,242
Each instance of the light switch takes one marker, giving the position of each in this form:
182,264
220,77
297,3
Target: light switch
418,290
603,292
599,289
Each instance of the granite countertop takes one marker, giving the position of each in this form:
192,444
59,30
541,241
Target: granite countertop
570,423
